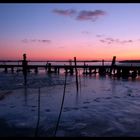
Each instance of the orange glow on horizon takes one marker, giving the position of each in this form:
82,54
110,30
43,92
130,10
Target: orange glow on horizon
36,51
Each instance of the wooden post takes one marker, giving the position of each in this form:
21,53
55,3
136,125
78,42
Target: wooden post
71,71
103,62
12,69
113,64
6,69
49,67
84,69
76,74
36,70
70,62
90,71
55,69
24,65
58,70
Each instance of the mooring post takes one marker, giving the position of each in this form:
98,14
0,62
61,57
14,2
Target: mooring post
71,69
70,62
103,62
113,64
49,67
36,70
6,69
84,69
76,74
24,65
12,69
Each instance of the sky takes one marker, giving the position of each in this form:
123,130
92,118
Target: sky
48,31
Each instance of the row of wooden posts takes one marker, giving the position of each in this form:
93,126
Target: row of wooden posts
25,64
118,71
102,70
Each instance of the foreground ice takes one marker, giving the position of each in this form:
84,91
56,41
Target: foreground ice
102,107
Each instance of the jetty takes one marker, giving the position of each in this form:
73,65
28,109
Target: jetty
112,70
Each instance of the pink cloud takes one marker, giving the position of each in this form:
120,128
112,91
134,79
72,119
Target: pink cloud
85,32
68,12
99,35
103,41
36,40
90,15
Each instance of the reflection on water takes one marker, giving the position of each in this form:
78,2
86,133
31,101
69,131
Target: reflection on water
97,109
25,95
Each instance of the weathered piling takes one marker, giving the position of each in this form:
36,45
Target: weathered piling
134,74
125,73
84,69
36,70
12,69
118,74
79,80
138,71
24,66
49,67
103,62
6,70
90,70
102,71
76,73
113,64
70,62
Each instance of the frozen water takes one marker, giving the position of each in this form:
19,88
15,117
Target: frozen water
102,107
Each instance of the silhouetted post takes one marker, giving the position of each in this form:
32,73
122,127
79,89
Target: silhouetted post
90,71
70,62
6,69
36,70
138,71
49,67
103,62
125,73
76,74
12,69
24,65
84,71
71,69
118,72
113,64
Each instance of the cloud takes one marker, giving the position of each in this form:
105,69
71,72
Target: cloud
81,15
85,32
45,41
35,40
130,41
61,47
99,35
103,41
25,40
90,15
110,39
68,12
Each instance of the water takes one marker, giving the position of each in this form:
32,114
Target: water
104,106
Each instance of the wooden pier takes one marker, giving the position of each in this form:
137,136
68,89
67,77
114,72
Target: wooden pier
112,70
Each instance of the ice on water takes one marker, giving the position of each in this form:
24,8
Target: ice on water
102,107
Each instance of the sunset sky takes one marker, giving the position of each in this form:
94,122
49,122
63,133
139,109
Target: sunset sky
62,31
